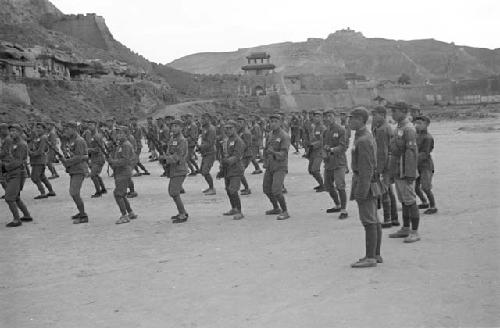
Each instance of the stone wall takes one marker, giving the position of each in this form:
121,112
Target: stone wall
14,93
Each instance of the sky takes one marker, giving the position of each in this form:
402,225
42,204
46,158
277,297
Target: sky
164,30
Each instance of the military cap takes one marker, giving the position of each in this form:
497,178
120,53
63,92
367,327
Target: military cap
188,115
318,112
121,128
42,124
400,105
170,117
230,123
71,124
159,118
359,112
275,115
380,110
16,126
343,113
241,118
178,122
423,118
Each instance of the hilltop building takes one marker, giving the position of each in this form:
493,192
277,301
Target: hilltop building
259,79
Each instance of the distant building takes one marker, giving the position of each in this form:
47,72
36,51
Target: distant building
259,64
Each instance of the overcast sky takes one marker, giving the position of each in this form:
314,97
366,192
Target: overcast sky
164,30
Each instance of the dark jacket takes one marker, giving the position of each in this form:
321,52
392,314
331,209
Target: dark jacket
335,145
363,164
78,152
403,162
383,135
234,153
176,156
208,135
425,145
38,150
276,151
123,160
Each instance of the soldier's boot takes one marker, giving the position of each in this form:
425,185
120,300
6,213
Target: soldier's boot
123,219
401,233
283,216
274,211
132,216
231,212
238,216
412,237
365,263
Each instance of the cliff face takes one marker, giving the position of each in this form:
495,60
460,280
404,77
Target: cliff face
26,11
348,51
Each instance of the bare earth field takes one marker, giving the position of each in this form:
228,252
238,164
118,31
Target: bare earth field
259,272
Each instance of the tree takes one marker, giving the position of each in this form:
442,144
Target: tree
404,79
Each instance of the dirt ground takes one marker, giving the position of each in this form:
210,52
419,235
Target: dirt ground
259,272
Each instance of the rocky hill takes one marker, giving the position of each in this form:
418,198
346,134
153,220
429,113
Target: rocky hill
347,51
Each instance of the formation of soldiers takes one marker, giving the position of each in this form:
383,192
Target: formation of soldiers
383,159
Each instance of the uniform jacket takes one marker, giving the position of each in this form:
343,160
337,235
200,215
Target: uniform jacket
14,160
403,161
363,164
246,137
78,152
276,151
123,160
425,145
38,150
335,145
95,153
137,133
383,135
316,140
208,135
234,153
191,134
176,156
256,137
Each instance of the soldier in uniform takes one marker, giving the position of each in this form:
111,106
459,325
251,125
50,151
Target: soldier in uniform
246,136
51,156
38,159
276,165
97,159
131,185
305,131
207,151
191,134
335,162
77,168
364,165
403,166
425,145
122,162
382,132
295,129
163,138
175,159
137,133
256,147
5,141
152,132
315,151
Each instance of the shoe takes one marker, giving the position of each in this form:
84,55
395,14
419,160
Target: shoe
183,191
132,216
76,216
431,211
81,219
53,177
51,194
238,216
192,174
132,194
41,196
175,217
386,225
377,257
365,263
274,211
96,195
231,212
246,192
333,210
283,216
181,218
284,191
257,172
137,175
321,189
395,222
13,224
210,192
401,233
317,187
104,191
27,219
146,173
412,237
343,216
123,219
423,206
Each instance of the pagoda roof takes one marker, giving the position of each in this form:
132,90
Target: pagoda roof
259,55
258,67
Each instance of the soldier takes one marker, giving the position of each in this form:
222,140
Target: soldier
38,159
295,129
403,167
207,151
152,132
97,159
13,156
425,145
122,162
233,168
383,134
131,186
191,134
137,133
256,147
315,150
77,168
4,150
51,156
335,160
246,136
177,168
364,164
276,165
305,131
164,137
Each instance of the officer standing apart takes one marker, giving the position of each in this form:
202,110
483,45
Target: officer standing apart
276,165
363,165
403,168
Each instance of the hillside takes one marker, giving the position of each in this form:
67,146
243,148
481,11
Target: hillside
349,51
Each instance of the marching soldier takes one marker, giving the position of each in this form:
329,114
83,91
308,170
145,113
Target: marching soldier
177,168
152,132
335,146
97,159
122,162
5,141
38,159
131,186
315,151
163,138
191,134
403,168
425,145
364,165
51,156
137,133
256,147
233,168
77,168
207,151
276,165
246,136
295,129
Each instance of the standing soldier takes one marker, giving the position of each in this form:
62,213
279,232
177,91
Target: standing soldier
77,168
191,134
276,165
425,145
246,136
315,151
152,132
403,168
137,133
233,168
51,156
335,146
13,156
131,186
163,138
295,129
256,132
177,168
383,134
207,151
97,159
363,164
5,142
38,159
122,162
